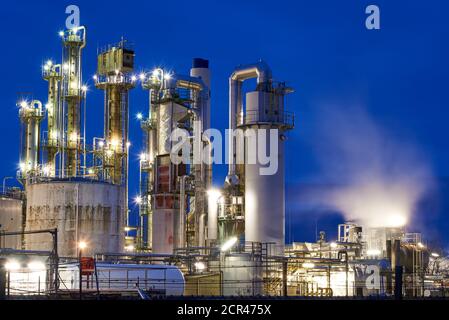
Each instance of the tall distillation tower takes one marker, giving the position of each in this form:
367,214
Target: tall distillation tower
74,40
254,205
173,196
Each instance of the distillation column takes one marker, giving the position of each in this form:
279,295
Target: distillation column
115,66
166,186
263,123
52,74
31,115
74,41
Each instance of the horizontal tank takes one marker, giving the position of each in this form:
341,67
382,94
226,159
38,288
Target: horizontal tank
91,212
11,219
160,279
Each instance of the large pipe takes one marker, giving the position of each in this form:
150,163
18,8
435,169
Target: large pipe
262,72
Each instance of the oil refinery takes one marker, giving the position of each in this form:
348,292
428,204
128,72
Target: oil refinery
66,233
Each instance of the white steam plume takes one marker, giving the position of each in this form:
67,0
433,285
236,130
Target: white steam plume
383,178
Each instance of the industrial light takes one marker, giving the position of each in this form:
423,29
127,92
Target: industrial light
82,245
12,265
61,33
334,245
73,136
101,144
109,153
46,170
420,245
200,266
156,73
308,265
49,63
65,66
46,67
214,194
128,144
54,134
117,72
23,104
138,200
396,221
373,252
36,266
95,77
435,255
229,244
90,171
143,157
84,88
167,76
142,76
133,78
129,248
139,116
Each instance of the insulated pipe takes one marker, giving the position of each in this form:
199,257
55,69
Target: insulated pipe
262,72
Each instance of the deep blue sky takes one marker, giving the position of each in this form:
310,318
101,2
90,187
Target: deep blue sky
399,74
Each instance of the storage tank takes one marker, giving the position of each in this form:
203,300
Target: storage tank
92,212
156,279
11,219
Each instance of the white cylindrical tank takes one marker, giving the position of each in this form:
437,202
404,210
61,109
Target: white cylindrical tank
157,279
264,187
91,212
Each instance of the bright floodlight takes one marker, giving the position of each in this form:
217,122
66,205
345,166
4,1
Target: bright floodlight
84,88
61,33
82,245
12,265
36,266
396,221
229,244
101,144
200,266
435,255
138,200
334,245
214,194
167,76
308,265
143,157
23,104
142,76
139,116
133,78
130,248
